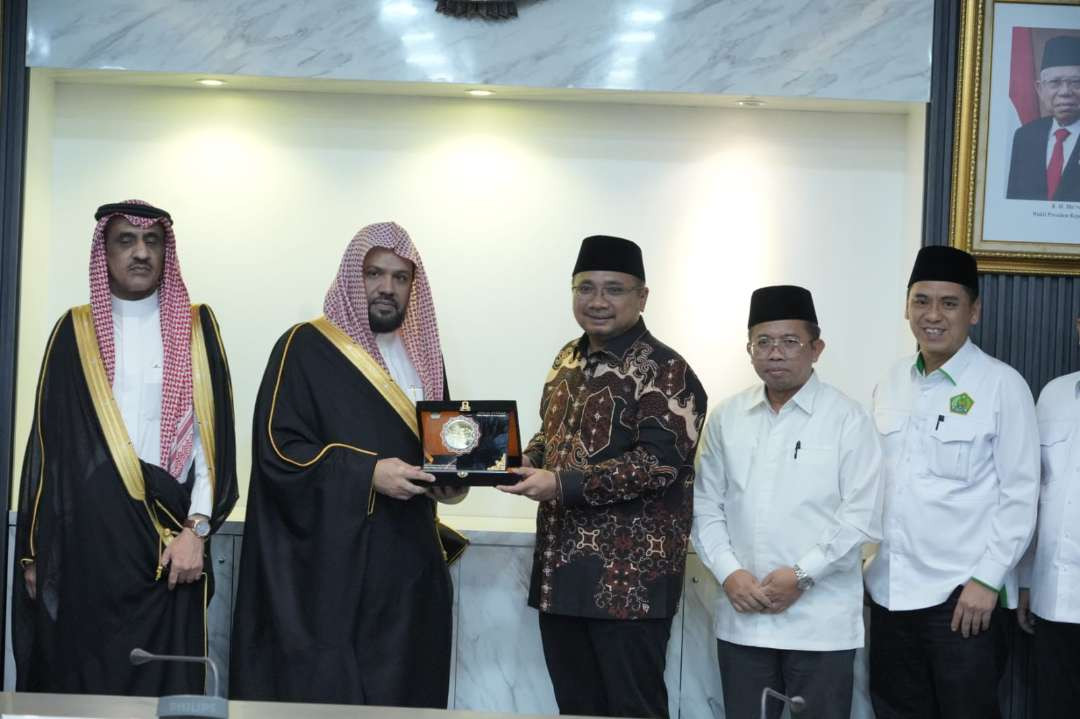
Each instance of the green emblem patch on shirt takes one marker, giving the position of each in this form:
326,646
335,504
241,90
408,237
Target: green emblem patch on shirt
961,403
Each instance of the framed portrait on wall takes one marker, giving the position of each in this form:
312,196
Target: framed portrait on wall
1016,160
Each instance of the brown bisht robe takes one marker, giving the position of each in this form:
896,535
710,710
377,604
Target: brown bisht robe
344,594
92,517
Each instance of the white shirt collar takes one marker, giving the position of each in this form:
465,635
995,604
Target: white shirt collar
803,399
389,341
1073,128
139,308
396,357
954,366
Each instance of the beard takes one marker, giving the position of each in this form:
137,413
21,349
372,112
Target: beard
382,323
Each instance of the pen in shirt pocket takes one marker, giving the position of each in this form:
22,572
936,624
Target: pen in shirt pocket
940,419
798,446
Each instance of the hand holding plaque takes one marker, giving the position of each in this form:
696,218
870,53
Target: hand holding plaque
469,443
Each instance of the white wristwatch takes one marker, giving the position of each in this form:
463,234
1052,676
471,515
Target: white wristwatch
802,580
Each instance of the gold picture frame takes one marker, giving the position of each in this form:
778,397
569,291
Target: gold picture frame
1006,232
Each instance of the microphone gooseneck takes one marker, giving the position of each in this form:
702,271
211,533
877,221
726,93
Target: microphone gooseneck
140,656
796,704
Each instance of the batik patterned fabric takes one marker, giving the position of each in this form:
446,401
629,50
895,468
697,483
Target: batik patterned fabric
619,427
177,410
346,304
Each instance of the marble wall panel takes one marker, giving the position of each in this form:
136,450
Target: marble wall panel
848,49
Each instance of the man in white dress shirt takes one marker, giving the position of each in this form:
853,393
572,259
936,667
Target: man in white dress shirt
129,468
1050,573
961,486
788,491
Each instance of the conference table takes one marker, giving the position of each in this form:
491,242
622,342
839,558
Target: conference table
14,704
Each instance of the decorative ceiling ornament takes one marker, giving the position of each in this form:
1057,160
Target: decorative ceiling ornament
487,9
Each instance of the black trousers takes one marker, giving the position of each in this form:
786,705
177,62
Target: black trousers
824,679
1057,669
607,667
921,669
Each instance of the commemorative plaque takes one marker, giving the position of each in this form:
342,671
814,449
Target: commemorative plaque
470,443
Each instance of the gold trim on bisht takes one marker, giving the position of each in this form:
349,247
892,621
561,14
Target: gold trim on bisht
375,374
108,413
41,444
450,559
324,450
394,396
202,393
273,409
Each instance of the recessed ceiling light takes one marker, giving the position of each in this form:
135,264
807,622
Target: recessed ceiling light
636,37
646,17
480,93
209,82
399,9
750,102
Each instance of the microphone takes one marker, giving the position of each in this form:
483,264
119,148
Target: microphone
186,706
796,704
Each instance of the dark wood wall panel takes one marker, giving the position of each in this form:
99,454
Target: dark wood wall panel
14,86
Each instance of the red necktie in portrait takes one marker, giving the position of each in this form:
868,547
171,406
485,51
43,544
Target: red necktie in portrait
1057,162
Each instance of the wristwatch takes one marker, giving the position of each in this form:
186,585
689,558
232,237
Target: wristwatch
802,580
199,526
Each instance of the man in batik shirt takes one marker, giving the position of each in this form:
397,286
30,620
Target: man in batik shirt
613,470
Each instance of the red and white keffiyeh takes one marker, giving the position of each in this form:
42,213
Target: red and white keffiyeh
346,304
177,410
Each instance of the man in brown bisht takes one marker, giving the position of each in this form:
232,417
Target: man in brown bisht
129,468
613,470
344,594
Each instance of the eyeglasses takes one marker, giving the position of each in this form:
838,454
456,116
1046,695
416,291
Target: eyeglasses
762,346
612,292
1072,83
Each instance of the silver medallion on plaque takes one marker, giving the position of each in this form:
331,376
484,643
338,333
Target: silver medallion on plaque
461,434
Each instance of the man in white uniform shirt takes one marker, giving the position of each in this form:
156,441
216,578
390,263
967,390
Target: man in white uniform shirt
1050,573
961,486
129,468
788,491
